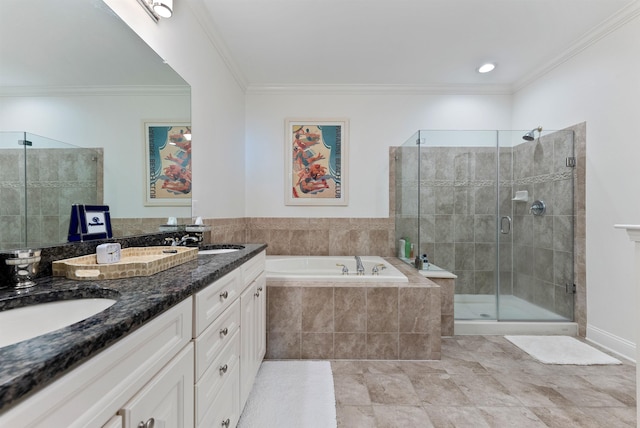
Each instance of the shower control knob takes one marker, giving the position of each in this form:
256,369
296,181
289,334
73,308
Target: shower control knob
538,207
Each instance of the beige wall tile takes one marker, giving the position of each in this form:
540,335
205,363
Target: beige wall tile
283,345
382,346
350,346
317,346
284,309
350,309
317,309
382,309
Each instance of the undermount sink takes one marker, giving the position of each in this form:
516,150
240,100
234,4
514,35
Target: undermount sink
31,321
212,251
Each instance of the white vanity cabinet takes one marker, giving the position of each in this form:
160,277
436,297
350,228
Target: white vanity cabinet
229,327
191,366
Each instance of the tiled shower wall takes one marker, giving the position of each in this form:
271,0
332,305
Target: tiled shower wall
56,179
543,245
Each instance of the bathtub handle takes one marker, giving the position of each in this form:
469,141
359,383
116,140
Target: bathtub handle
503,230
345,270
377,268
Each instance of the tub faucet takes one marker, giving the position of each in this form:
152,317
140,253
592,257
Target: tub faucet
359,266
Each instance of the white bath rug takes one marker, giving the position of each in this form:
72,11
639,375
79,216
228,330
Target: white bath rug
291,394
561,350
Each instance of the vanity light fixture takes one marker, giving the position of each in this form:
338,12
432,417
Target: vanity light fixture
485,68
158,8
164,8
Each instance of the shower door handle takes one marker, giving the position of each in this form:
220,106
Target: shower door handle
505,220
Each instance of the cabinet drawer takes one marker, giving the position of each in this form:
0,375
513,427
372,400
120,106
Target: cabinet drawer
215,337
213,300
226,405
252,268
223,369
167,398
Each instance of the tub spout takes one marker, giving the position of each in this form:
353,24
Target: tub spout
359,266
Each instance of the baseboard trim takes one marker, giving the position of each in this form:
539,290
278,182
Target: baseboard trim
619,346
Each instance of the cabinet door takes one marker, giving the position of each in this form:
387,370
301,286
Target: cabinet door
167,399
253,334
247,340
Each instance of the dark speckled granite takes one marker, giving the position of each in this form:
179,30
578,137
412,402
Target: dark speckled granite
27,366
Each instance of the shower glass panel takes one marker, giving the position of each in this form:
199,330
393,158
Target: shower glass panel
40,178
466,201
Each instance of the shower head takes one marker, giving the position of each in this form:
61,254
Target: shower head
530,136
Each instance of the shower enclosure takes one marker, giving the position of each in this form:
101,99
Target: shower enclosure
40,179
495,209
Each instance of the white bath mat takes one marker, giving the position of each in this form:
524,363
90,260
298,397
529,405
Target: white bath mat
291,394
561,350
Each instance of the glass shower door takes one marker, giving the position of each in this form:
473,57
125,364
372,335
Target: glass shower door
535,226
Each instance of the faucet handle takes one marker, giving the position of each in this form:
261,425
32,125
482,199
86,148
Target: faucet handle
345,270
377,268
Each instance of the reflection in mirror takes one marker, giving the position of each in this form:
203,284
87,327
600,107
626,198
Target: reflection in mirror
79,75
41,179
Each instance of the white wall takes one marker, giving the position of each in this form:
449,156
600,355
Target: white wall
217,105
112,122
601,86
377,121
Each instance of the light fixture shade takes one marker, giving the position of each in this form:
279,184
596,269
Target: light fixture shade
163,8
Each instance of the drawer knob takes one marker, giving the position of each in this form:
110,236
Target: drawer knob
226,423
223,369
257,294
149,424
224,331
224,294
259,288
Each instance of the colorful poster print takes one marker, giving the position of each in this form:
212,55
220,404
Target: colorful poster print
168,157
316,162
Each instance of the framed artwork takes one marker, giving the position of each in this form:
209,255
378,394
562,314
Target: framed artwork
168,163
316,161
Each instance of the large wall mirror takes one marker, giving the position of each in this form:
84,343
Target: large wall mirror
73,73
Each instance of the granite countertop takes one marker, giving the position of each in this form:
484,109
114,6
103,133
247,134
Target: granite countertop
29,365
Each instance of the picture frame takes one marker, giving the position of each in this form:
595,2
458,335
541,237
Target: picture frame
89,222
316,161
167,163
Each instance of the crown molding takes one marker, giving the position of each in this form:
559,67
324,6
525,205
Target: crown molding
381,89
614,22
49,91
206,23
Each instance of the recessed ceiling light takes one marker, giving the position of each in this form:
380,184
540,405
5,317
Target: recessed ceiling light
485,68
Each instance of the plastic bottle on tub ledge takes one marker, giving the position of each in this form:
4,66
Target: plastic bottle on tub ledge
407,248
401,244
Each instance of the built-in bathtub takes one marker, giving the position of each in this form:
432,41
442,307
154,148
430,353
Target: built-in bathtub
330,268
316,312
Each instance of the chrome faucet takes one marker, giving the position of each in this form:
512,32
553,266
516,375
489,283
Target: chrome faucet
377,268
345,270
359,266
175,242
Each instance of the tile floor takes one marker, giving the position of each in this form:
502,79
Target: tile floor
483,381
